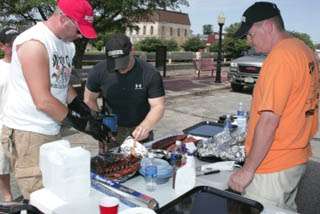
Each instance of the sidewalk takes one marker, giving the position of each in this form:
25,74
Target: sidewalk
185,82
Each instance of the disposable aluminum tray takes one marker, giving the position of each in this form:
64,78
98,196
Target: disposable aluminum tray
208,200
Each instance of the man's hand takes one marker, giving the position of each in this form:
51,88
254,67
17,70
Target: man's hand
97,129
89,125
240,179
140,133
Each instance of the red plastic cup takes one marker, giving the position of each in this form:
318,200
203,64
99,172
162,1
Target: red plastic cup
109,205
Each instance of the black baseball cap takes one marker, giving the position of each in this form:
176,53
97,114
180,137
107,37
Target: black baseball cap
7,35
118,48
257,12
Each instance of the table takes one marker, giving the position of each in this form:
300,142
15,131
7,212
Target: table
51,204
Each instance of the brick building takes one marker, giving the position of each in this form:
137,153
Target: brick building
163,24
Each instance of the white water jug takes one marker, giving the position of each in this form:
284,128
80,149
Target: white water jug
65,170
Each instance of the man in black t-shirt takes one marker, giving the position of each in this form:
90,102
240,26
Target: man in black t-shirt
132,89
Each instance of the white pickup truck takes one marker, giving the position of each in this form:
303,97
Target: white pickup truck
244,70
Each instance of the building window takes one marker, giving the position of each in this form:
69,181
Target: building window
162,31
185,33
171,31
151,30
144,30
138,31
178,32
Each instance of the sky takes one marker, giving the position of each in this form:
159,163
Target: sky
298,15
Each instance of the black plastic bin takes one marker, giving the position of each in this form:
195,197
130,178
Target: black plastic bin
208,200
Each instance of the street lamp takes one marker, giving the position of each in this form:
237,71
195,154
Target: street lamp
221,20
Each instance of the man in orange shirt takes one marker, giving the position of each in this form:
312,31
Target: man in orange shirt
284,110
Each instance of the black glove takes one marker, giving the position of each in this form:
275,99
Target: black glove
88,124
80,107
97,129
75,120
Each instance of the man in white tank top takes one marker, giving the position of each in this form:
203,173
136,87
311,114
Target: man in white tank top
7,35
39,96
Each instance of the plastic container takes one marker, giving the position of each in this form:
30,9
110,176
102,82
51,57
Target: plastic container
241,117
48,169
164,170
185,176
65,170
151,172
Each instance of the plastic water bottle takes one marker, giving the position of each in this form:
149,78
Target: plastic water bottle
151,173
241,117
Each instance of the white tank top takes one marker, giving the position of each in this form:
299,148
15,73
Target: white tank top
4,72
20,112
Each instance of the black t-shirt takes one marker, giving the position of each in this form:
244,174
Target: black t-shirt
127,94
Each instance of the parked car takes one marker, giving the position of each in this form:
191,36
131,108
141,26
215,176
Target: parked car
244,71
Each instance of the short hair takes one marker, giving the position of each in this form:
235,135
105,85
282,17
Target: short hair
278,21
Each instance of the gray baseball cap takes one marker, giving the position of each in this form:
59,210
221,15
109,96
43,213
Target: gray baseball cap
118,49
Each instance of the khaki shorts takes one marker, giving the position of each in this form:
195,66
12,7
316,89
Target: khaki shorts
278,189
22,148
4,162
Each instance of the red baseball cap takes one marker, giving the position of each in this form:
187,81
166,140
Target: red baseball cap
81,12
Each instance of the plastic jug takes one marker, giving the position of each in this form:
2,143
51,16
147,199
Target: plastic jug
185,176
65,170
47,170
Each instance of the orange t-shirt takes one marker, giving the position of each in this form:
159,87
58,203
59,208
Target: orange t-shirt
288,86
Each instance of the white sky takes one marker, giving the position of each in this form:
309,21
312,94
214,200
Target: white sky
299,15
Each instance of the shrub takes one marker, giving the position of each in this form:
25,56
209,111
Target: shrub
171,45
149,44
193,44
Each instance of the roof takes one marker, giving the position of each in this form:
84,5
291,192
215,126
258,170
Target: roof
169,17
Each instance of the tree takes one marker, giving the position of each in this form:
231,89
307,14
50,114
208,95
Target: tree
231,47
304,37
207,29
193,44
171,44
148,44
151,44
111,15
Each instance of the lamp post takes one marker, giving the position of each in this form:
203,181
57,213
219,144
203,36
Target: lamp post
221,20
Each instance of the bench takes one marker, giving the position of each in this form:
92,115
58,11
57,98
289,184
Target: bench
204,64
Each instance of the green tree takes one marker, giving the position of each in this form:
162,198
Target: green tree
207,29
304,37
232,47
150,44
111,15
171,44
193,44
